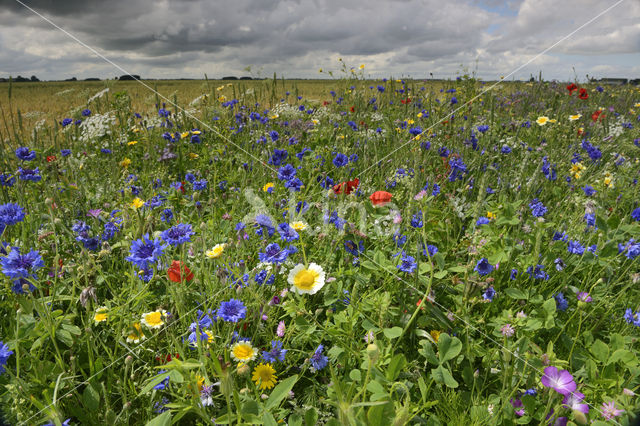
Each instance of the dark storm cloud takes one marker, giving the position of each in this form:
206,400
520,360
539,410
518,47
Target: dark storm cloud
159,37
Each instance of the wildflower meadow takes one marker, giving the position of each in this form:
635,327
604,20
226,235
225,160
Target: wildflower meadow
382,252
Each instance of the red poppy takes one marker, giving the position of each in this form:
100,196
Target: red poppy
583,94
182,187
571,88
405,101
596,115
380,198
167,358
179,272
352,109
348,186
325,103
51,158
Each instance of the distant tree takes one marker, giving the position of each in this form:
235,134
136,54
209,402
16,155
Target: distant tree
34,78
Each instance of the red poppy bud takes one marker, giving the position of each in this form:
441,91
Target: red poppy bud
51,158
380,198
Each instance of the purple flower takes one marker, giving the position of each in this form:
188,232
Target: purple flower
232,311
319,361
178,234
573,401
561,381
483,267
583,296
489,294
609,410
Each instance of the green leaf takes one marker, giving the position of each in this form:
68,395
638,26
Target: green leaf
448,348
393,332
549,306
515,293
64,336
458,269
91,398
375,387
250,407
600,350
153,382
380,415
311,417
440,274
627,357
294,420
355,375
443,376
268,420
163,419
439,258
280,392
396,364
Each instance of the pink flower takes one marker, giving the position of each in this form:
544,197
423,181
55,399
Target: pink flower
609,410
281,329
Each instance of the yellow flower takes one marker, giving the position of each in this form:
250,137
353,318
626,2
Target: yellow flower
268,186
542,120
575,117
299,225
306,280
410,121
320,70
637,105
137,203
576,170
193,155
417,137
265,376
195,132
553,120
419,115
132,143
184,135
216,251
243,351
153,319
435,334
361,67
274,116
199,382
315,122
125,163
135,334
491,215
101,315
219,88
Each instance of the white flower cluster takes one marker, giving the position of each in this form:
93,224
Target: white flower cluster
97,126
284,109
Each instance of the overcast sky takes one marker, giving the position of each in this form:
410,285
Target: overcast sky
408,38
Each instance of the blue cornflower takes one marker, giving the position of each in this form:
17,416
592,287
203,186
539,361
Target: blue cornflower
276,353
407,263
294,184
286,172
178,234
354,249
505,149
416,220
279,155
537,272
66,122
340,160
6,179
483,267
232,311
559,264
274,135
30,174
199,185
145,252
273,254
483,128
560,236
65,152
431,249
24,154
628,315
575,247
317,360
399,239
590,218
458,169
156,201
5,353
482,221
86,112
415,131
537,208
11,213
489,294
514,274
588,190
166,215
635,215
16,265
287,233
105,151
163,384
561,303
436,189
190,177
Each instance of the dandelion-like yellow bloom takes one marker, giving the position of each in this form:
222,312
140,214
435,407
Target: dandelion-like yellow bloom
153,319
491,215
132,143
435,334
268,186
195,132
101,315
135,334
542,120
125,163
265,376
184,135
243,351
137,203
298,225
216,251
193,155
306,280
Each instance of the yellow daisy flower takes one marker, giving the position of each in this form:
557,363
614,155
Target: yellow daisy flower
306,280
101,315
243,351
265,376
216,251
153,319
135,335
137,203
132,143
298,225
542,120
125,163
184,135
268,186
575,117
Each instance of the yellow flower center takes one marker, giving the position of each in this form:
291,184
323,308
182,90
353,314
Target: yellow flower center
99,317
154,318
243,351
305,279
